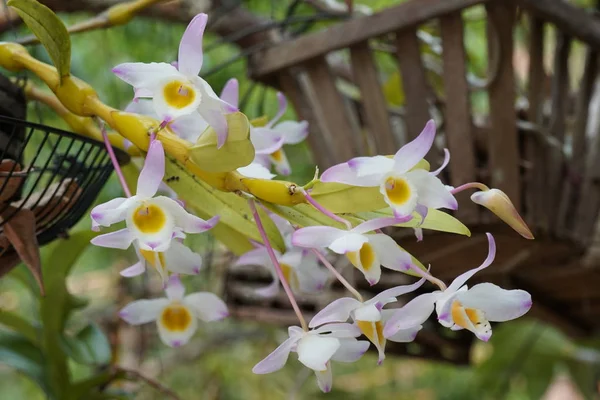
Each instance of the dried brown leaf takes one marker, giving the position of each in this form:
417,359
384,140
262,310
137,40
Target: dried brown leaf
14,182
20,230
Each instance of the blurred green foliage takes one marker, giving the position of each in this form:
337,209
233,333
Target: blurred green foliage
518,363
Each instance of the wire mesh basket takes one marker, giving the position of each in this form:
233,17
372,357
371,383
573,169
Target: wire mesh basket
55,174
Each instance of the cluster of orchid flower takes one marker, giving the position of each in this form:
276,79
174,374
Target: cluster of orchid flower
157,225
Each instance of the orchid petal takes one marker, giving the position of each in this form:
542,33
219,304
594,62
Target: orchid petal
462,278
342,173
315,351
207,306
499,203
498,304
258,256
277,359
444,163
142,107
216,119
348,243
265,140
153,171
142,75
111,212
189,59
231,92
405,335
431,191
184,220
281,163
369,312
412,314
378,223
282,101
337,311
120,239
142,311
316,236
189,127
366,260
325,379
175,289
351,350
389,253
411,153
311,277
397,291
135,270
182,260
293,132
338,330
256,170
365,166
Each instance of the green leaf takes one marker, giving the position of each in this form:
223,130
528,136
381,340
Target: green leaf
49,29
21,354
232,209
342,198
237,151
58,259
89,346
435,220
19,325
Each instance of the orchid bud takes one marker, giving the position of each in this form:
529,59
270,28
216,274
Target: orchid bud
498,202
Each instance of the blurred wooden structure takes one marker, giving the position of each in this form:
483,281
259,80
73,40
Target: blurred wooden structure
540,143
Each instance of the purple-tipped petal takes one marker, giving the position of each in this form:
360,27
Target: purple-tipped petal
231,92
292,132
316,236
364,166
342,173
190,48
142,311
120,239
498,304
337,311
411,153
397,291
140,75
351,350
444,164
412,314
460,280
153,171
135,270
207,306
282,101
218,122
378,223
277,359
175,289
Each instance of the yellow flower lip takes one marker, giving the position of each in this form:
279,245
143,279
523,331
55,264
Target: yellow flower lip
176,318
149,218
364,258
290,276
397,190
150,256
178,94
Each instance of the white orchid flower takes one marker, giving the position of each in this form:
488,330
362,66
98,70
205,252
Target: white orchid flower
459,307
178,259
178,91
405,189
300,268
256,170
176,315
152,221
316,349
367,251
369,316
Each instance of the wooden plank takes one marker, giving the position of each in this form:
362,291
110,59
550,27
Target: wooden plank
355,31
503,144
535,177
291,85
557,127
372,99
414,81
574,21
457,114
572,184
331,114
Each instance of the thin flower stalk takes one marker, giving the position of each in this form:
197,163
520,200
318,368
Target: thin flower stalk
284,283
339,276
325,211
113,159
470,185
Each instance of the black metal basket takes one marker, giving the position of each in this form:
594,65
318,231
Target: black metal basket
60,176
